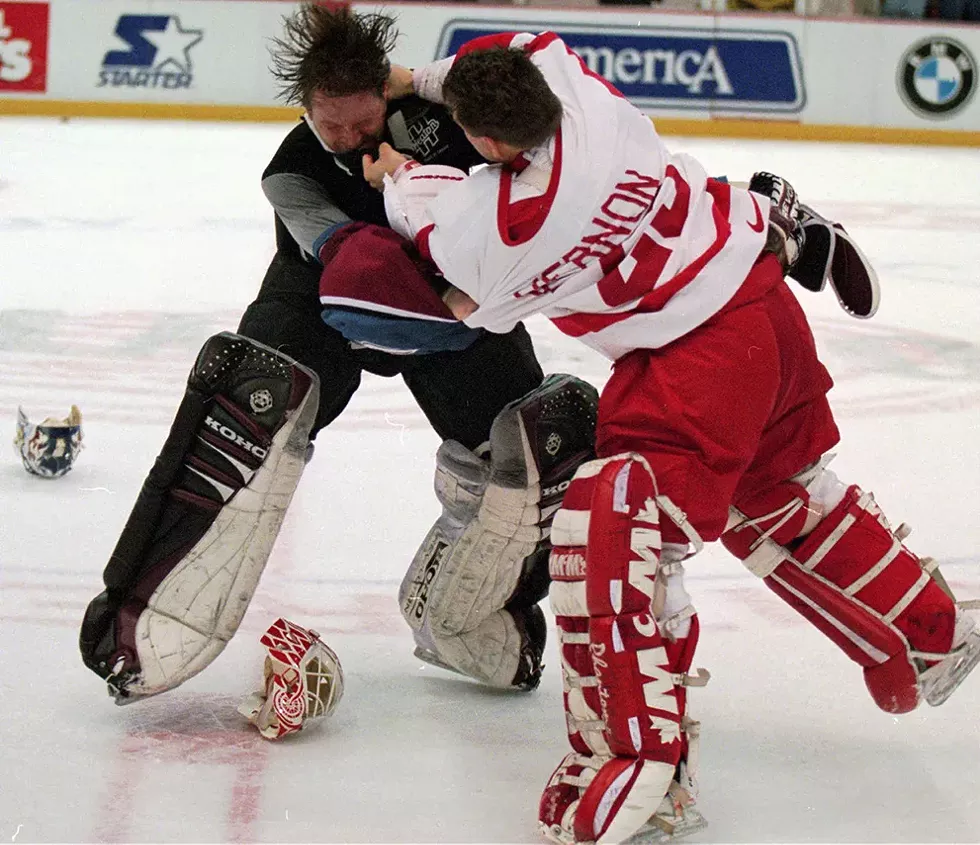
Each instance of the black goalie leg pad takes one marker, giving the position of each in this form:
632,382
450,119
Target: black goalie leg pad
189,558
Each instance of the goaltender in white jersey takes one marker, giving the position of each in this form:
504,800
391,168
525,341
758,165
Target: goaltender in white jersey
667,246
714,423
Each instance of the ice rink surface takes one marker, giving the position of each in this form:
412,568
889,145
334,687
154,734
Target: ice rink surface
124,245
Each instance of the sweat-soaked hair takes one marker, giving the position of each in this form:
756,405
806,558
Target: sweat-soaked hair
501,94
332,50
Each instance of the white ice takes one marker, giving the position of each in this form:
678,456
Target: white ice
124,245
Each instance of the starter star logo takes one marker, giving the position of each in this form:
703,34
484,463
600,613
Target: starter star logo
174,45
159,54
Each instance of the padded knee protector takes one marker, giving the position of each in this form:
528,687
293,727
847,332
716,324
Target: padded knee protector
851,576
190,556
627,636
471,590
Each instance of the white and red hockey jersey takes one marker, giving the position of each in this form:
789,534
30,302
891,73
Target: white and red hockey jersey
628,246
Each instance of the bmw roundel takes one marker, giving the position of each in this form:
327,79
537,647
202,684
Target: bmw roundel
937,77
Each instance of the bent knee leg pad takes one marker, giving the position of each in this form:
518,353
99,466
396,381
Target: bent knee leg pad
485,559
852,577
503,651
188,561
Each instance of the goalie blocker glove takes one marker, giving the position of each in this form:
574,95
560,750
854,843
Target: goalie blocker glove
190,556
471,592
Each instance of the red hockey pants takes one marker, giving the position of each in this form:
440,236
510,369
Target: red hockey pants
729,409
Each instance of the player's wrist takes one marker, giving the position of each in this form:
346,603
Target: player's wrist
404,167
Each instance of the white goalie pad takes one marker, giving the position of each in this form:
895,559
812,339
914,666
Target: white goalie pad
471,591
302,681
468,566
196,609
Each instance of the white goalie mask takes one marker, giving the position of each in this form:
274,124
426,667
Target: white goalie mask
49,448
302,680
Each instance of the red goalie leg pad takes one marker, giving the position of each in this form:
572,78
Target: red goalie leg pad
566,565
640,704
624,709
856,582
583,708
889,673
641,708
621,798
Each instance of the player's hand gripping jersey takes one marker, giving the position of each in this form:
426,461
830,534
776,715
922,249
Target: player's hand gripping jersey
666,247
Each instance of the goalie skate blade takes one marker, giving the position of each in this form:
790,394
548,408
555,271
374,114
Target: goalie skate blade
954,671
660,830
123,699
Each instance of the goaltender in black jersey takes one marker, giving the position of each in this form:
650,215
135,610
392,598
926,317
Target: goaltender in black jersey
204,524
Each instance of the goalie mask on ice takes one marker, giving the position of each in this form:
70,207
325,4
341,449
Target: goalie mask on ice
302,680
190,557
49,448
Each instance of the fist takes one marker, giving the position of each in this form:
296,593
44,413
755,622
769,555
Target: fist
388,161
400,83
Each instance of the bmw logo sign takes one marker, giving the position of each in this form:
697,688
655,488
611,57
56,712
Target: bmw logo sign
937,77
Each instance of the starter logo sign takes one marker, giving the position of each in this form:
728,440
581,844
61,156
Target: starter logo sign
159,54
23,47
937,77
658,67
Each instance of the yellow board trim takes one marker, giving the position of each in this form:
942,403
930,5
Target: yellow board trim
771,130
145,111
776,130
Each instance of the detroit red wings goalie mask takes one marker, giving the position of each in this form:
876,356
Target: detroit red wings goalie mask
302,680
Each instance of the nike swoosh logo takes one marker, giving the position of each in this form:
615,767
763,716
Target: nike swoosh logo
759,223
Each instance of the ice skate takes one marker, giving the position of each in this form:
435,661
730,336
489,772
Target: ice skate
676,818
939,682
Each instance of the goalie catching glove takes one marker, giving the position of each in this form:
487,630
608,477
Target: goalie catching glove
471,592
814,250
189,559
831,254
